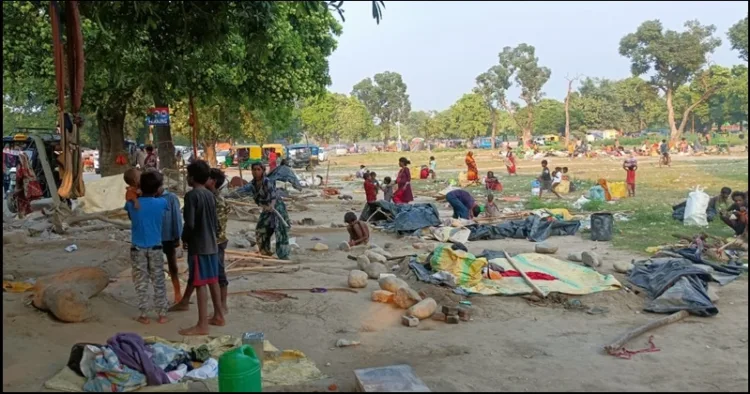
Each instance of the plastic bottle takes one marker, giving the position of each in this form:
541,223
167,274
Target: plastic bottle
240,371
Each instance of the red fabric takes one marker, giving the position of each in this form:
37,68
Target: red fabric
511,166
493,184
272,161
630,177
531,275
403,195
371,191
424,173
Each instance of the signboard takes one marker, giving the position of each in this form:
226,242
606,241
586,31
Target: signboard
158,116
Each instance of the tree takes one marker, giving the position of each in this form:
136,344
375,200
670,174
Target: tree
675,58
522,65
738,37
639,102
417,122
385,99
470,116
333,116
550,116
487,88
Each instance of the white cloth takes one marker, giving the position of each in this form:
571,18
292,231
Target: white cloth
209,370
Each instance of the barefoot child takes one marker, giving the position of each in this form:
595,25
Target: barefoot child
387,188
170,238
491,209
630,166
146,250
199,235
556,181
359,233
215,182
371,190
132,179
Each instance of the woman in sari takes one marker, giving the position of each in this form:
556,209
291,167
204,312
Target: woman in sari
472,173
27,188
403,194
510,161
273,211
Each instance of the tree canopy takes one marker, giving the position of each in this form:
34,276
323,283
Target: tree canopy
738,37
385,97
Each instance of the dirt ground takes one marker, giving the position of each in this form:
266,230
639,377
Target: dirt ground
510,345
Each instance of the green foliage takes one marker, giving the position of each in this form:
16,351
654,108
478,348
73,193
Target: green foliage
538,203
333,117
385,98
738,37
470,116
594,206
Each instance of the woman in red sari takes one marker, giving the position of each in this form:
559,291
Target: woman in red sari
403,194
510,161
472,173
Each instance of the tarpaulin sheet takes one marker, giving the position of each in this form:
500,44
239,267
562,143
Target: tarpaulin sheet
673,284
533,228
401,218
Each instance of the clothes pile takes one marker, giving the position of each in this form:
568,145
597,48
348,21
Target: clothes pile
127,363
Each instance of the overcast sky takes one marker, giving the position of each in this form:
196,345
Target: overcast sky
440,47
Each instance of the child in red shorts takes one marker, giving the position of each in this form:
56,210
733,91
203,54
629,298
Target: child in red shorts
630,166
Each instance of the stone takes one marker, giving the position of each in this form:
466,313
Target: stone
9,277
545,248
375,269
320,247
453,319
419,245
423,309
362,262
375,257
382,252
623,267
373,246
449,310
406,298
438,316
575,257
357,279
389,246
409,321
392,283
344,246
383,296
590,259
242,243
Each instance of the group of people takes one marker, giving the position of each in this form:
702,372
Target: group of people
399,193
158,227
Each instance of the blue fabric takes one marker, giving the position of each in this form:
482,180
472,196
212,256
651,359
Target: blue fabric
172,221
459,208
146,221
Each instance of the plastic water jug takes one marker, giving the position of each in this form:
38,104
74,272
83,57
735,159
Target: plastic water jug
240,371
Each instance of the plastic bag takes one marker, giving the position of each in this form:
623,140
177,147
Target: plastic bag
618,190
596,193
695,208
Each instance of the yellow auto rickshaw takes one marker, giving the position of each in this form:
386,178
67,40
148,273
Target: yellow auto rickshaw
246,155
278,148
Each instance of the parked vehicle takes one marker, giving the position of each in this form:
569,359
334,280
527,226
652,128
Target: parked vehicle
221,158
322,154
539,140
303,155
39,146
246,155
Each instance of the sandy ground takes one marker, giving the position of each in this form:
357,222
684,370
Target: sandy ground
510,345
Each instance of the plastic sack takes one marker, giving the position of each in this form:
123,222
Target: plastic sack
596,193
695,208
618,190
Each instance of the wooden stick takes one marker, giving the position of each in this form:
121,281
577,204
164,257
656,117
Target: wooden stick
344,289
241,203
260,260
272,269
531,284
243,253
618,344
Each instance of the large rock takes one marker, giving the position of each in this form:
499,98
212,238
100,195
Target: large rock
362,262
383,296
423,309
357,279
392,283
406,298
575,257
320,247
545,248
66,294
623,267
375,257
375,269
344,246
591,259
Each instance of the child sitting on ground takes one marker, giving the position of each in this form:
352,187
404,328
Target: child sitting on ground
424,173
147,261
132,179
387,189
492,183
359,233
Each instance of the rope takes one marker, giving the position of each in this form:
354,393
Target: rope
628,354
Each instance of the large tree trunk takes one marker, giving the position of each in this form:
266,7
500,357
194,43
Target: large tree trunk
567,113
209,151
526,137
493,112
163,139
111,122
386,136
675,133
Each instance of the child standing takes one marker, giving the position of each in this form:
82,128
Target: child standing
215,183
371,191
630,166
545,178
387,188
170,238
146,251
556,181
132,179
359,233
199,236
433,166
491,209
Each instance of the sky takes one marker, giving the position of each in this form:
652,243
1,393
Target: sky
439,47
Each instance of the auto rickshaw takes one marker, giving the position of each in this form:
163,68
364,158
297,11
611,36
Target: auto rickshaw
40,149
246,155
280,150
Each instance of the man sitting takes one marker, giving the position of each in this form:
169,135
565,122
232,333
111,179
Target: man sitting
736,215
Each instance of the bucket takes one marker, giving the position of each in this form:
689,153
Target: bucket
240,371
602,226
